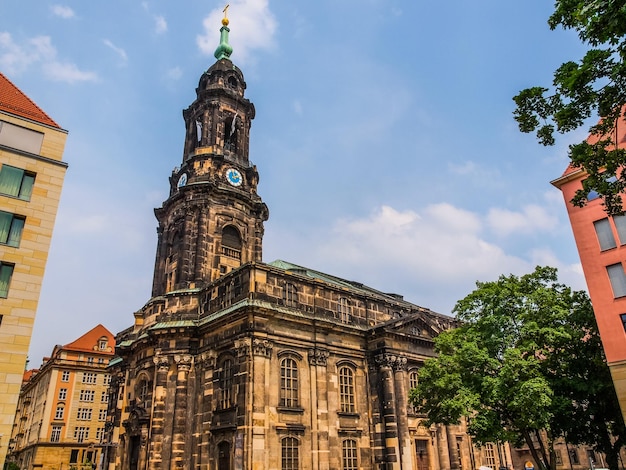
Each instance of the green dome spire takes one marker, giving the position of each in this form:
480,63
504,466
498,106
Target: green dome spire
224,50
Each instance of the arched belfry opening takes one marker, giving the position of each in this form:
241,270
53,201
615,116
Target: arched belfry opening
230,134
231,250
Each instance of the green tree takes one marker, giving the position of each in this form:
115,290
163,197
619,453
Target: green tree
595,86
526,365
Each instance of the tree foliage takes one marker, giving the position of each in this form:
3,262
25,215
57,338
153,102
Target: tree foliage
525,365
595,86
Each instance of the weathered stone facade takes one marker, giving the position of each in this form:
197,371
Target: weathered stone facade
235,363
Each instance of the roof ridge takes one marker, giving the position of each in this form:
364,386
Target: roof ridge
15,101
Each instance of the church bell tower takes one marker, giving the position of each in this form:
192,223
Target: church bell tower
212,221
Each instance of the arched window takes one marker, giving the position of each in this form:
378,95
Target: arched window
231,242
223,456
343,310
230,134
290,295
226,384
346,389
413,376
349,455
288,382
143,393
290,453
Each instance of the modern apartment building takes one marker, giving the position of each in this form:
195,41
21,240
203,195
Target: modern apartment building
601,243
62,407
31,178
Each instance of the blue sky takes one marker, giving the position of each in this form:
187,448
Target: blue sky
384,138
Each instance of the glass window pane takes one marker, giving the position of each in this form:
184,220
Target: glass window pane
620,225
27,187
618,279
15,235
605,234
6,271
5,226
10,180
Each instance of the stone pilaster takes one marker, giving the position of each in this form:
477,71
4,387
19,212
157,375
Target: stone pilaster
155,460
260,374
178,458
385,364
318,359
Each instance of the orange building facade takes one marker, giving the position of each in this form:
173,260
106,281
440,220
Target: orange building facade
62,407
601,243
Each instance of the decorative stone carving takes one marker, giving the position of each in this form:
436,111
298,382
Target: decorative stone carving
242,346
183,361
207,359
262,347
391,361
318,357
162,363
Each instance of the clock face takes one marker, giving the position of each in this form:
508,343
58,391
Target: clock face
182,181
234,177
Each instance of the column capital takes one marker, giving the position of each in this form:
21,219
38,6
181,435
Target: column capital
318,357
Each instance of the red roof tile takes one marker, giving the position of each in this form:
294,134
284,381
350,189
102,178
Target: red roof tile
14,101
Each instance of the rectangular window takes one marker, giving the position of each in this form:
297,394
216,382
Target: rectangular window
74,456
59,412
89,377
16,182
20,138
87,395
104,398
618,279
623,318
62,393
490,456
6,273
574,457
620,226
107,379
99,434
558,456
65,376
605,234
55,435
11,227
84,414
81,433
102,414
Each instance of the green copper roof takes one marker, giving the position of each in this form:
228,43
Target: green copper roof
224,50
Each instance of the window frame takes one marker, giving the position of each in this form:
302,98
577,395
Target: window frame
604,234
23,189
289,453
349,455
14,224
347,401
6,275
289,383
617,279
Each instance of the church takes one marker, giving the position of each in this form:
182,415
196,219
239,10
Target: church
234,363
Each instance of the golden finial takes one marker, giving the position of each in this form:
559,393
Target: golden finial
225,19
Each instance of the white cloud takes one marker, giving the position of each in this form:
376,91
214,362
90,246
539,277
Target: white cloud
16,58
62,11
160,24
118,50
255,25
67,72
531,218
441,243
174,73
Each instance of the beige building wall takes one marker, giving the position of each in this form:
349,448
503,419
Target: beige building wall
18,309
